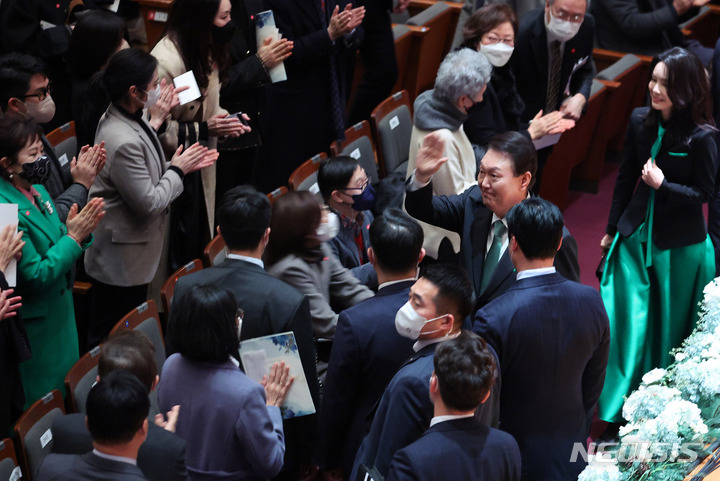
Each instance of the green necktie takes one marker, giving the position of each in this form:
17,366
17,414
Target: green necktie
493,255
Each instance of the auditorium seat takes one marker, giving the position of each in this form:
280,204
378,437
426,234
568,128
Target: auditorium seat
705,26
391,122
64,141
33,433
305,176
146,319
168,288
80,378
571,149
215,252
359,145
9,468
276,194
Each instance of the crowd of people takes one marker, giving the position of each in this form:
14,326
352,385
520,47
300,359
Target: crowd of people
446,336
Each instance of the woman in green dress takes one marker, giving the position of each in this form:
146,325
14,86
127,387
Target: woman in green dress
660,257
44,273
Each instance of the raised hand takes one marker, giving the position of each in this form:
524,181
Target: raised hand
88,164
429,158
81,225
167,101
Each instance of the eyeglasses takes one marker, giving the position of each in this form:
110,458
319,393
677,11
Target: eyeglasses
509,41
568,17
42,93
362,187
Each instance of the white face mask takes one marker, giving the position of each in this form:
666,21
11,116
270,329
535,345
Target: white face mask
562,30
43,111
498,54
328,230
152,97
408,323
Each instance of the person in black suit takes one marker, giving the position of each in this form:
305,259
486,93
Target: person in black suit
162,456
552,338
269,305
646,27
439,302
506,175
462,380
117,410
553,63
660,256
305,113
367,350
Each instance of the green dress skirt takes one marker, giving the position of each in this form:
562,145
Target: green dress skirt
651,309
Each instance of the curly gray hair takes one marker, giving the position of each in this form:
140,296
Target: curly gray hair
464,72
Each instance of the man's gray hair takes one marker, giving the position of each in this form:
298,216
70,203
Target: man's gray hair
464,72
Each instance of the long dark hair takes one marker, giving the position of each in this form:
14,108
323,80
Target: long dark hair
190,27
96,36
688,88
295,216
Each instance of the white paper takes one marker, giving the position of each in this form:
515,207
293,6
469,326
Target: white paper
355,154
394,122
16,474
45,438
264,29
546,141
63,159
192,93
277,348
114,6
9,216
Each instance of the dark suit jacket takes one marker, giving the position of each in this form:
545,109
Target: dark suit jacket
270,307
161,456
458,449
552,337
530,62
689,163
366,353
645,27
466,215
714,205
405,410
60,184
88,467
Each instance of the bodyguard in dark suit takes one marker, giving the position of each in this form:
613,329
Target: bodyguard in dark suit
458,446
552,337
439,302
367,350
162,456
506,174
269,305
117,409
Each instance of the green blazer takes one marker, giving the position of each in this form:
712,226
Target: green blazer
45,283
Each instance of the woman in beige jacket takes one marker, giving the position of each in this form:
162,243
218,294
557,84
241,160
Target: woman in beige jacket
196,40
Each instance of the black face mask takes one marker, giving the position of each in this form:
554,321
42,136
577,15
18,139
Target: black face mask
36,172
222,35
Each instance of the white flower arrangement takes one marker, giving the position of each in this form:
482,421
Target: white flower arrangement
601,472
697,380
648,402
656,376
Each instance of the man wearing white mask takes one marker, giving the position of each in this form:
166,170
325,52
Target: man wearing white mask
439,303
25,92
553,62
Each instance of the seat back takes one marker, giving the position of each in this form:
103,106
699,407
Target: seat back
359,145
80,378
168,288
391,122
33,432
64,141
276,194
305,176
146,319
9,468
704,26
215,252
630,73
423,66
404,37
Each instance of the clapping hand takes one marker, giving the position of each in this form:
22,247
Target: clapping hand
429,158
194,158
11,245
88,164
172,417
344,22
273,52
167,101
81,225
572,107
223,125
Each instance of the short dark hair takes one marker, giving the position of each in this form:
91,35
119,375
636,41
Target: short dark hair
243,216
465,370
519,149
335,173
455,291
130,351
485,19
96,37
116,408
295,217
202,326
125,68
15,133
16,70
537,226
396,239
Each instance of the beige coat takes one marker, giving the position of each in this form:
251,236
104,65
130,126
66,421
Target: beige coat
171,65
455,177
